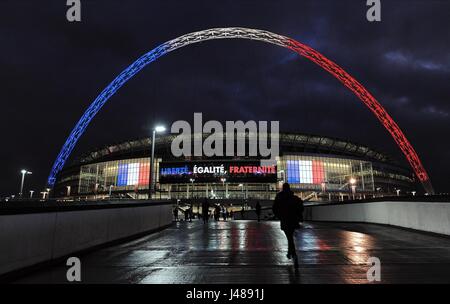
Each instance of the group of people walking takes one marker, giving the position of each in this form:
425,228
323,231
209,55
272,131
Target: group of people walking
287,207
218,212
188,213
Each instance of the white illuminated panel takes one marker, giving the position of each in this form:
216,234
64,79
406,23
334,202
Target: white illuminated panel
306,174
133,174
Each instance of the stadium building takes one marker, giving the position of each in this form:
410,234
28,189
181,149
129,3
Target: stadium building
318,168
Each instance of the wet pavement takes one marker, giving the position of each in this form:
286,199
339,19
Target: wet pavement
252,252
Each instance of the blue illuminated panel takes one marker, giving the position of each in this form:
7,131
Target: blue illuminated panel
293,174
122,176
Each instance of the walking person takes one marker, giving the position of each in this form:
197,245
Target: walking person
186,214
175,213
288,208
258,210
191,213
217,213
205,211
224,213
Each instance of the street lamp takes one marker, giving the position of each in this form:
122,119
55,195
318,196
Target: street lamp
353,185
192,180
45,194
151,184
242,189
223,180
24,172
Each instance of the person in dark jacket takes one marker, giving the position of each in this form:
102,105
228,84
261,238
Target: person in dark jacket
224,213
258,210
217,213
205,211
190,213
186,214
175,213
288,208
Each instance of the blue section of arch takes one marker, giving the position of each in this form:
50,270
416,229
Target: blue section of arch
98,103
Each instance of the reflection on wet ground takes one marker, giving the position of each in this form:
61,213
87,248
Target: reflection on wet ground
252,252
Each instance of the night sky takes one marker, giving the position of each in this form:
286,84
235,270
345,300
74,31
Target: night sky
51,70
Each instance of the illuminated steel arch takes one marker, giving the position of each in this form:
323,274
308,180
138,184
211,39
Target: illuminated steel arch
252,34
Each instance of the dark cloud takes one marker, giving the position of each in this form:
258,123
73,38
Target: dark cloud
50,71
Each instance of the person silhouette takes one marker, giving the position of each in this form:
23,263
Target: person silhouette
186,214
258,210
191,213
288,208
217,213
205,211
224,213
175,213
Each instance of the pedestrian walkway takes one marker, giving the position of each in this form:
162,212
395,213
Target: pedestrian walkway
252,252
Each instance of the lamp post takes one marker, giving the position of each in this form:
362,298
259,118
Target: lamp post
31,193
192,180
353,186
151,183
45,194
223,180
242,189
95,190
24,172
110,190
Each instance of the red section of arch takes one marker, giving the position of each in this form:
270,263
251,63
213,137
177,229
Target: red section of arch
353,85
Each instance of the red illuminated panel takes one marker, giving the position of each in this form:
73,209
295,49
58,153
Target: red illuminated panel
318,172
144,173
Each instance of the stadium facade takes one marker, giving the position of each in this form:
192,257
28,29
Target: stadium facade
317,167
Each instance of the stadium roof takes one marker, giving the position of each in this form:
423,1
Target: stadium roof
292,142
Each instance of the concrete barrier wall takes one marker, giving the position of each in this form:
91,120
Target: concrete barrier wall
425,216
30,238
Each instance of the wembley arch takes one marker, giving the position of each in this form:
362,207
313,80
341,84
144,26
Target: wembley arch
253,34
